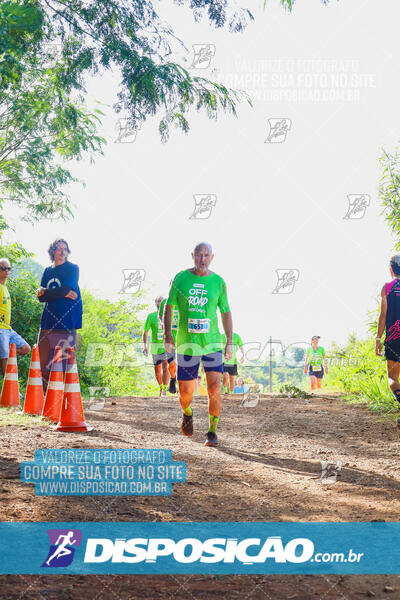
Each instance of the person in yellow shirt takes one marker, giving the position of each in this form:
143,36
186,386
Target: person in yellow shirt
7,335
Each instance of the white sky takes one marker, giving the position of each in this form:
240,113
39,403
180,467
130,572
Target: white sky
279,205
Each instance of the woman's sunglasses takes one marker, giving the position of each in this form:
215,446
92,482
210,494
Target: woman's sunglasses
5,268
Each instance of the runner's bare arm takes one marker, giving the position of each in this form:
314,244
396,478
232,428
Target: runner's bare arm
228,328
381,322
168,339
145,343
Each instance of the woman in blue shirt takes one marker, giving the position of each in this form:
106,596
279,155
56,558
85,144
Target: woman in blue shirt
62,313
240,387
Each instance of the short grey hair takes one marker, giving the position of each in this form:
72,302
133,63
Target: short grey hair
201,245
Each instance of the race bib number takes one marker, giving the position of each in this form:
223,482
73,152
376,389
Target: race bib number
199,325
175,322
316,367
160,335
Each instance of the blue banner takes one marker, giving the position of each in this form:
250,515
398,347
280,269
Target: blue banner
203,548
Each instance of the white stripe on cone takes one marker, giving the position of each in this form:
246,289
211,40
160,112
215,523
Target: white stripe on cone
11,376
35,381
35,364
12,361
55,385
72,387
72,368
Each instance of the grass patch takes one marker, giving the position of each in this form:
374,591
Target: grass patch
10,416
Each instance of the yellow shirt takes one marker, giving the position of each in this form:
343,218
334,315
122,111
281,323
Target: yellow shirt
5,307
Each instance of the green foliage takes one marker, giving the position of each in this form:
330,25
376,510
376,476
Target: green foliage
281,374
27,264
288,4
132,38
48,49
108,348
8,416
15,253
293,391
356,369
25,314
20,31
40,129
389,191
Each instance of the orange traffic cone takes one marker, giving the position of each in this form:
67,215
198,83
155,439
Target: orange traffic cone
10,390
55,389
71,415
34,397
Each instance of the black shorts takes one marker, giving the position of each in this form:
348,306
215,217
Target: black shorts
231,369
317,374
188,366
158,358
392,350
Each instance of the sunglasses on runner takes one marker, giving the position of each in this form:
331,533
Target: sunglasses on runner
5,268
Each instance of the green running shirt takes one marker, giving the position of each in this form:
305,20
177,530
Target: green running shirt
197,299
237,343
315,357
157,333
175,314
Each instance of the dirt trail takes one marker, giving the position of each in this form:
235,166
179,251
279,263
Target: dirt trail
266,468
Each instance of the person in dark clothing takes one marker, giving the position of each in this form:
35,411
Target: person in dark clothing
62,313
389,322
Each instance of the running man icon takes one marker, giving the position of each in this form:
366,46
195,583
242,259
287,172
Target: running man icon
63,543
62,549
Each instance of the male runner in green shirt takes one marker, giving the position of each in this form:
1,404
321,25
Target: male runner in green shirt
230,366
160,357
197,293
174,328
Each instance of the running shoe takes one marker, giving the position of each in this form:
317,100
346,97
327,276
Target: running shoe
212,439
172,385
163,393
187,424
